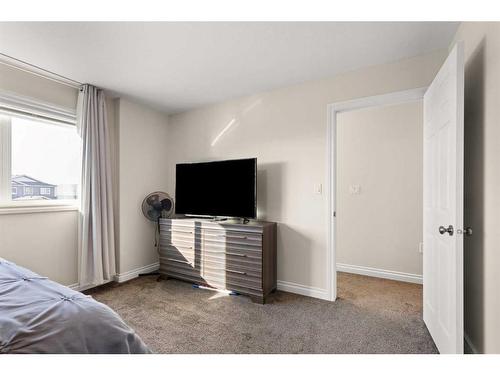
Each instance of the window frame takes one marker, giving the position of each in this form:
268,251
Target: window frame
13,105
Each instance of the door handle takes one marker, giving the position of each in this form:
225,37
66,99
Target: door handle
448,230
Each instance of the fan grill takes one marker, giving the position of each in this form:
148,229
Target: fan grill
156,205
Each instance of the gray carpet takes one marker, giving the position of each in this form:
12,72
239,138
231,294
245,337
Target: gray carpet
370,316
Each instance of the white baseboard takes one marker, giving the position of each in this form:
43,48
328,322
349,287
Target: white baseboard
121,277
80,288
303,290
383,274
132,274
74,286
471,345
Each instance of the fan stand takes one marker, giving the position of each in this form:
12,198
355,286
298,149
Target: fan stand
154,273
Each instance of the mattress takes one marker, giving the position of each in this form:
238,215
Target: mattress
38,315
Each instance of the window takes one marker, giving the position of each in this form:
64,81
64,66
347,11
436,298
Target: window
41,157
44,191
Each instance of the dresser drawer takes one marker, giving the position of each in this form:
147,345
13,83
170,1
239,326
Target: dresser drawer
234,287
230,254
192,261
233,279
244,290
178,236
223,260
230,243
193,276
181,243
254,239
182,262
243,250
228,266
167,228
184,250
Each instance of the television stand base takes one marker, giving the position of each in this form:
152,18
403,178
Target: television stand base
219,218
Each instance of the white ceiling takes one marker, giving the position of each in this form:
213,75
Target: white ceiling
179,66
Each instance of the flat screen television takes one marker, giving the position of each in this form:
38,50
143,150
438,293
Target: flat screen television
226,188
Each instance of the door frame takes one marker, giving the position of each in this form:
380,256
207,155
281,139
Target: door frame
393,98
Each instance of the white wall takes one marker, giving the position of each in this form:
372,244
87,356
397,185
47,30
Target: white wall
482,183
379,150
286,130
142,144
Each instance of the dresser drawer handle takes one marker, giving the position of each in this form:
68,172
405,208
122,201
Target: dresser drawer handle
236,254
238,272
181,246
179,261
232,236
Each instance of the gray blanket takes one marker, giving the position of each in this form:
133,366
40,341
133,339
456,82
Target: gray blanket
40,316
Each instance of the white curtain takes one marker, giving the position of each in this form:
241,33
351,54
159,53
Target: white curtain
96,247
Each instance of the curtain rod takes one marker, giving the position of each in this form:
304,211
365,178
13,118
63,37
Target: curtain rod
38,71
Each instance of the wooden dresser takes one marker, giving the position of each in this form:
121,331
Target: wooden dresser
226,255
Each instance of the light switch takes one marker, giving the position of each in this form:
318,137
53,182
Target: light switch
354,189
319,189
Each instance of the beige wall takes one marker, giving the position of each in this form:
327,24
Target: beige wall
286,130
482,183
379,151
46,242
142,138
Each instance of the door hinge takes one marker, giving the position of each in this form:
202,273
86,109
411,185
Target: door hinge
467,231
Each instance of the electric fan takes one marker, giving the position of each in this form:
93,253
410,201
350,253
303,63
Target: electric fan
156,205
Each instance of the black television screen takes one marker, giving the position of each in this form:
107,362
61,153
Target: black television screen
218,188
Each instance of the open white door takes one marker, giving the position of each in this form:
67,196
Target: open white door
443,204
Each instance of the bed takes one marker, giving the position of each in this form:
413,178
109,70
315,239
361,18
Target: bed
38,315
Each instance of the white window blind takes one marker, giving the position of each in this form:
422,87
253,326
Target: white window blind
18,105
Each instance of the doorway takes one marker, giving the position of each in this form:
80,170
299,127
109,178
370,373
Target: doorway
379,191
354,189
379,211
